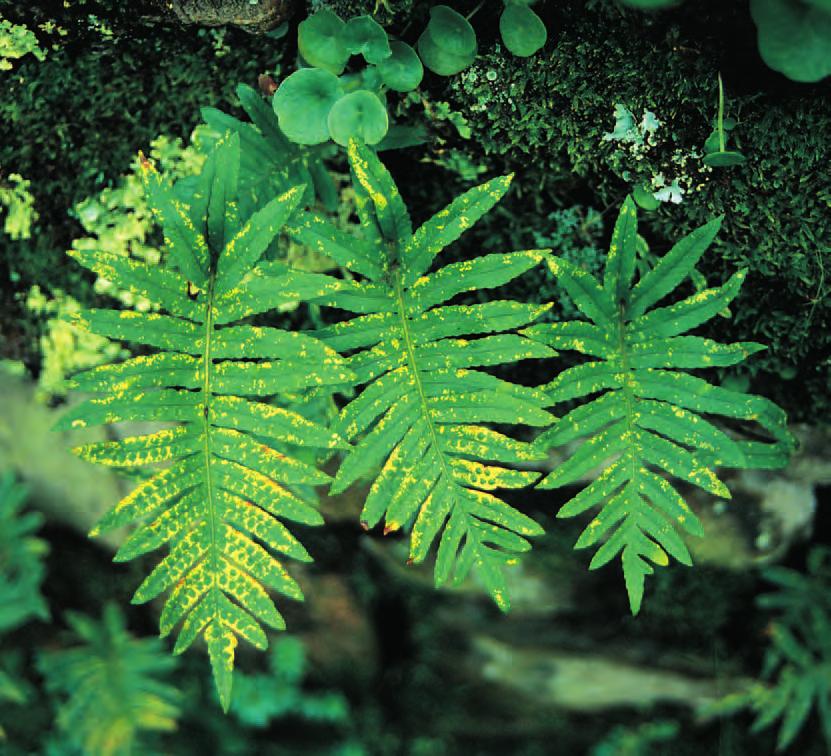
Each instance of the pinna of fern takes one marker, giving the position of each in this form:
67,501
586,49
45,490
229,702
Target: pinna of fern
222,493
638,414
418,420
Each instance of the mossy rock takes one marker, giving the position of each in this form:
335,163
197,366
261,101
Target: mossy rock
547,121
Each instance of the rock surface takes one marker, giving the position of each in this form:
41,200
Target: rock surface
256,17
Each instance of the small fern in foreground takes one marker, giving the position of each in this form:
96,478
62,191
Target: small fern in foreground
419,415
798,659
111,687
22,557
22,570
224,490
645,414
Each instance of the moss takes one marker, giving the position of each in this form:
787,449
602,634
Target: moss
385,11
97,98
547,117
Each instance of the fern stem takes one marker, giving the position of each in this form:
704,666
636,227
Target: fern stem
206,425
628,396
720,114
411,361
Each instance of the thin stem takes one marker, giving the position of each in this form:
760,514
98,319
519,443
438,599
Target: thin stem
474,11
720,114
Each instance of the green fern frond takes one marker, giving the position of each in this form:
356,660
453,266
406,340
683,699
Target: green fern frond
644,414
798,659
112,688
222,492
419,416
269,163
22,556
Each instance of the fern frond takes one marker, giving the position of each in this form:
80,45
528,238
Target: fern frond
223,491
22,558
269,163
798,658
419,416
111,688
638,413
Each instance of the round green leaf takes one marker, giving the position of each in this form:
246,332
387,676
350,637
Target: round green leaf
402,71
438,60
522,30
365,36
302,103
724,159
320,39
451,32
794,37
645,198
359,115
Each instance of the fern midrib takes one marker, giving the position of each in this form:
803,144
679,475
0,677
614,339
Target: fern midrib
411,361
628,396
206,425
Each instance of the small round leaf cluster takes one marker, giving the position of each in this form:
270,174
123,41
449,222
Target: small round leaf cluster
322,102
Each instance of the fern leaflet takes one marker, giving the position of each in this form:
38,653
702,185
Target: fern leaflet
224,490
644,414
419,414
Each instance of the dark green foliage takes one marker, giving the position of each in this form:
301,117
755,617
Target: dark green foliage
72,124
219,503
798,659
324,102
22,570
419,416
397,11
795,36
522,30
547,121
645,740
110,687
261,698
638,411
21,559
269,163
448,44
716,154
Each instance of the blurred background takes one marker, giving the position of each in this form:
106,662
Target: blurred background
376,660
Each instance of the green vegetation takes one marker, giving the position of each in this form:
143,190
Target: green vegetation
352,272
111,688
418,418
797,661
548,122
222,487
647,414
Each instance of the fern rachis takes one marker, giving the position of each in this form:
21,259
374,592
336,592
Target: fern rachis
645,415
219,501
